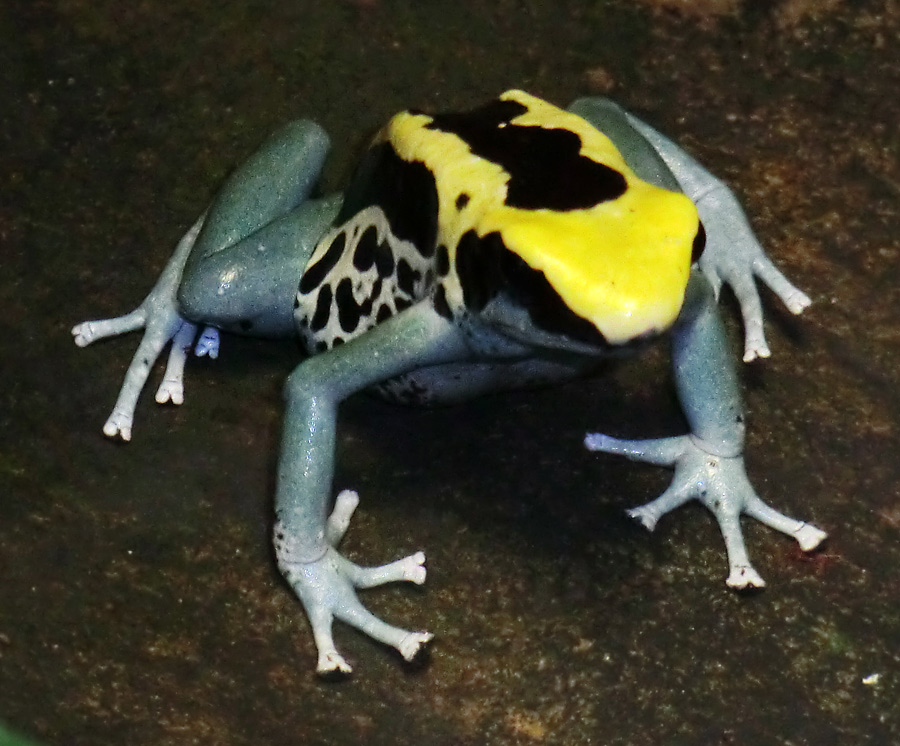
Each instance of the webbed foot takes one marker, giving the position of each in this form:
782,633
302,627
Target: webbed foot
720,483
159,317
326,585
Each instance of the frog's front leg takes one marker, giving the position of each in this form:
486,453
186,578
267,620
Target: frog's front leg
305,537
732,254
708,462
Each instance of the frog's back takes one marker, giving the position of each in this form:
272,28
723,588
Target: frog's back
515,198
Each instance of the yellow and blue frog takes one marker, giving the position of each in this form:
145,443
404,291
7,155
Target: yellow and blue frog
511,245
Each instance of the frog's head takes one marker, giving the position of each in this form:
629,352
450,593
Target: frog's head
584,281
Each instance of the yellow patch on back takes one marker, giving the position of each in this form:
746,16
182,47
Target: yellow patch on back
623,264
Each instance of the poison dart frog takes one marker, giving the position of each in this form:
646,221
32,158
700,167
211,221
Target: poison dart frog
513,244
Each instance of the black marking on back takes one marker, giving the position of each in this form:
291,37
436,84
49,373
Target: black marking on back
323,309
314,276
440,303
442,262
545,165
404,190
407,277
488,269
384,260
348,310
364,255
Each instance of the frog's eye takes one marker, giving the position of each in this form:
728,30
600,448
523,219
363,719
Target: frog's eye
699,243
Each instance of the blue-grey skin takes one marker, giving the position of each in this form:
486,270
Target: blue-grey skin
242,262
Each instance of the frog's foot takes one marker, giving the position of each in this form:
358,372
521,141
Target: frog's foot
158,316
162,325
720,483
734,256
326,585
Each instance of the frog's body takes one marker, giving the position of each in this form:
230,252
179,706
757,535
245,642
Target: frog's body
516,201
514,196
512,244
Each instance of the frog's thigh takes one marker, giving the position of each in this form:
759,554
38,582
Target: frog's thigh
250,287
258,233
455,382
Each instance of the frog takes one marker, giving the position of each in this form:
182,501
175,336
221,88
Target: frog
509,245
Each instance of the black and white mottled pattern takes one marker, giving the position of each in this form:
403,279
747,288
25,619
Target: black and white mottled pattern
359,275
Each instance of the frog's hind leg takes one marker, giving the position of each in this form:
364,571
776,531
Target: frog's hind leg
709,462
265,198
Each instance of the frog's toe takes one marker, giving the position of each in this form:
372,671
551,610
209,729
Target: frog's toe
90,331
647,517
683,488
742,577
332,662
413,568
172,387
660,451
339,521
119,425
413,644
208,343
796,300
805,534
755,345
793,297
83,333
409,569
406,642
170,391
809,537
